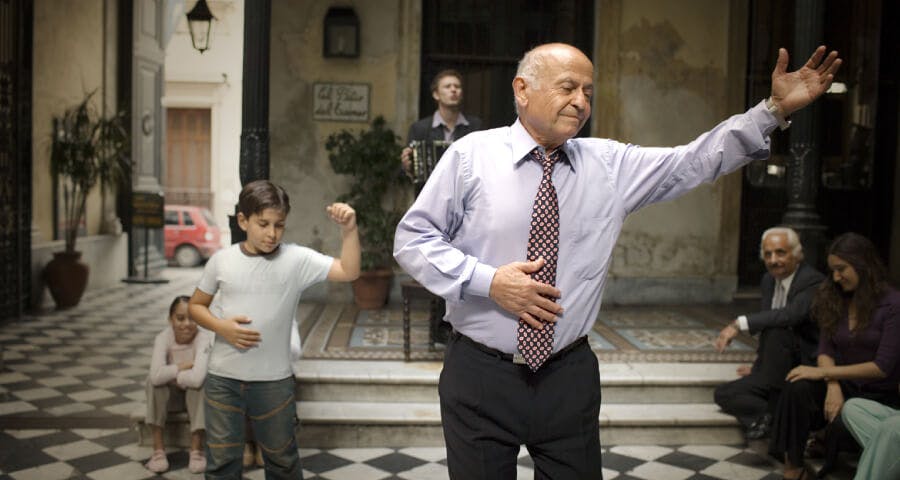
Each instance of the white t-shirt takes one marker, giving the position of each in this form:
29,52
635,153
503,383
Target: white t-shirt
265,288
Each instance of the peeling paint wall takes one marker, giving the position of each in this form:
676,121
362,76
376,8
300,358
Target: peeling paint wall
297,143
666,73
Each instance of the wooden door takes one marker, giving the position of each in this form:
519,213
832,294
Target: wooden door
188,159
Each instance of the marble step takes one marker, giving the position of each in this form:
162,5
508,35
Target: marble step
368,424
623,383
383,424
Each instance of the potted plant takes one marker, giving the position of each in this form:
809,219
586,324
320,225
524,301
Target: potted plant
372,159
84,149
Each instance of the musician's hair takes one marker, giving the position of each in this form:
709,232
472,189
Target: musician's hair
449,72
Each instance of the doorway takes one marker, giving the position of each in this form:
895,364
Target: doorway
484,42
856,129
188,158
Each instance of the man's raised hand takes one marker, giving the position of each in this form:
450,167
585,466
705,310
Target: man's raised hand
792,91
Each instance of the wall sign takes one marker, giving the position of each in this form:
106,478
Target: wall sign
341,102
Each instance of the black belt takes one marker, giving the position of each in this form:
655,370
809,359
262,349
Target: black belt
508,357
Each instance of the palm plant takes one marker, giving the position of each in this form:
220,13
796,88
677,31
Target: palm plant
372,158
86,149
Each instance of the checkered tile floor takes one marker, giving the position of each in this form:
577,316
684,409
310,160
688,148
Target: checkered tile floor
71,379
112,454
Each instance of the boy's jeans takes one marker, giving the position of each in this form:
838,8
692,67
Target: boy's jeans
272,413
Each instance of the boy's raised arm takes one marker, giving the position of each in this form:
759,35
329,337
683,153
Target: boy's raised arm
345,268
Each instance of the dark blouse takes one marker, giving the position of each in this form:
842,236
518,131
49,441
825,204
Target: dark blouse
879,342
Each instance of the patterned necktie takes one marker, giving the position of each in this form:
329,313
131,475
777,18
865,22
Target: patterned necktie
543,241
778,299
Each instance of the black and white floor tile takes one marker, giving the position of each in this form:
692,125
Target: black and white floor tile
112,454
70,380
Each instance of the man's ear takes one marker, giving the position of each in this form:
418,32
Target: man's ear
435,96
519,87
243,221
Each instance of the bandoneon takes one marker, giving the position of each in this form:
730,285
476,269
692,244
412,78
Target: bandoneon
425,155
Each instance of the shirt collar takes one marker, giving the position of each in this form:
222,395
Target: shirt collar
437,120
787,281
522,144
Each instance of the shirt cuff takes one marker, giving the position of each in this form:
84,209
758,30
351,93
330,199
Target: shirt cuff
764,118
743,325
480,282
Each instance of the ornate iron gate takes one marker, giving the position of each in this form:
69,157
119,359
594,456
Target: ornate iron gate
15,156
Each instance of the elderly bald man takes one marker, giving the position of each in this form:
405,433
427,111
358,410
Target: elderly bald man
515,229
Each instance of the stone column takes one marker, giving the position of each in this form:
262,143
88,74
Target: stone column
254,162
803,167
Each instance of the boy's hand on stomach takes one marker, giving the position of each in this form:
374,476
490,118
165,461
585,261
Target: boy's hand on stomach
235,334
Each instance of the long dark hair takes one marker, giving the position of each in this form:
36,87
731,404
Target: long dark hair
178,299
831,302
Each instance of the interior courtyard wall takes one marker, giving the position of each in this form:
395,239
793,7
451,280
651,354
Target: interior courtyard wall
666,73
75,47
388,63
64,71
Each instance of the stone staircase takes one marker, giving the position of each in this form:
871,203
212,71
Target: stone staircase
351,403
377,403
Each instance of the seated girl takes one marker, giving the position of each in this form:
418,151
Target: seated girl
177,372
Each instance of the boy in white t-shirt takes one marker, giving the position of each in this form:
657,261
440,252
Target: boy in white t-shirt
257,285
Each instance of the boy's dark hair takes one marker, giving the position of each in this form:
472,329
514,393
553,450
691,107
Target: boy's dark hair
445,73
259,195
178,299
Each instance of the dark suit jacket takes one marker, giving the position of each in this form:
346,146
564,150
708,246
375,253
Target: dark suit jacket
422,129
795,314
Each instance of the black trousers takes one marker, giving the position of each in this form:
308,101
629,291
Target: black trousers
750,397
490,406
801,410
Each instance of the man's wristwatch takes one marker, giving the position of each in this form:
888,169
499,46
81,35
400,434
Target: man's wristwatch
783,123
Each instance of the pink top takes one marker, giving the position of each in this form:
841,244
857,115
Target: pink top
167,354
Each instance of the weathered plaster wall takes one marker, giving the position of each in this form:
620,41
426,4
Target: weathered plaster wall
64,71
666,73
75,45
297,147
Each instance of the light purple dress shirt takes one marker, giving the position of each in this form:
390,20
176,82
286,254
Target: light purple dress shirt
473,214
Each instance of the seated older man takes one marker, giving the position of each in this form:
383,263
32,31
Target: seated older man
787,335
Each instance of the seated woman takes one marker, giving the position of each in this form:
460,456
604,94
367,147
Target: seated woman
177,371
859,347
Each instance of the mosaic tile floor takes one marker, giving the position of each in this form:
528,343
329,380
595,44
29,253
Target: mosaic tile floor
645,334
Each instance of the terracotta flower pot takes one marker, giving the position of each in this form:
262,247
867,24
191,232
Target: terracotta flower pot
66,277
371,289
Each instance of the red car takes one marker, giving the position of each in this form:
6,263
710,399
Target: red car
191,235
